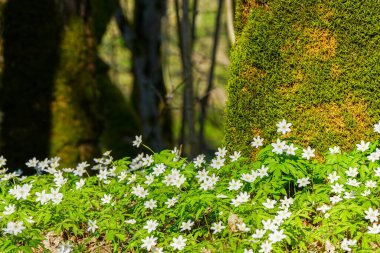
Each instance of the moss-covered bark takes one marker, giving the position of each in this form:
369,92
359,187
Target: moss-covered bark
314,63
77,121
31,33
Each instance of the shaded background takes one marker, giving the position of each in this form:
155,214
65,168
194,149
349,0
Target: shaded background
81,77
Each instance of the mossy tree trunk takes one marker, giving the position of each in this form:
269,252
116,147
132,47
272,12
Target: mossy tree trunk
314,63
31,54
77,121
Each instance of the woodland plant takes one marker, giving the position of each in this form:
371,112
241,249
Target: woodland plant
283,201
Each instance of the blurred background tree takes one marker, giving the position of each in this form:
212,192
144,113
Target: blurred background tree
80,77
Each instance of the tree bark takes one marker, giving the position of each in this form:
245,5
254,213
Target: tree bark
204,100
188,95
144,39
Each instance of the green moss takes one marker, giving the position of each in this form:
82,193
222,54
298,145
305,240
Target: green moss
76,124
314,63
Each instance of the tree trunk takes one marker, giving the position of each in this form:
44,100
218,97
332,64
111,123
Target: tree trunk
313,64
190,141
76,123
204,99
144,39
31,56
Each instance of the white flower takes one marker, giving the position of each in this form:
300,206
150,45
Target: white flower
14,228
199,160
157,250
277,236
374,156
3,161
150,204
179,243
279,147
337,188
149,242
9,209
269,203
159,169
139,191
241,198
187,225
56,196
333,177
171,202
290,149
92,226
353,182
32,163
335,199
324,208
269,225
106,199
376,127
371,214
130,221
217,162
302,182
242,227
334,150
151,225
352,172
286,202
147,160
266,247
235,156
366,193
349,195
217,227
235,185
21,192
257,142
262,172
377,172
149,179
370,184
30,220
80,183
363,146
375,229
221,152
283,127
249,177
137,142
43,197
308,153
248,251
202,175
259,233
345,245
64,247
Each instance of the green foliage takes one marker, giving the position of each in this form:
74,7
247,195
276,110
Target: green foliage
312,62
203,193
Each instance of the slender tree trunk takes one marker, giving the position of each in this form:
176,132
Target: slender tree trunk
230,10
144,39
205,98
188,95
